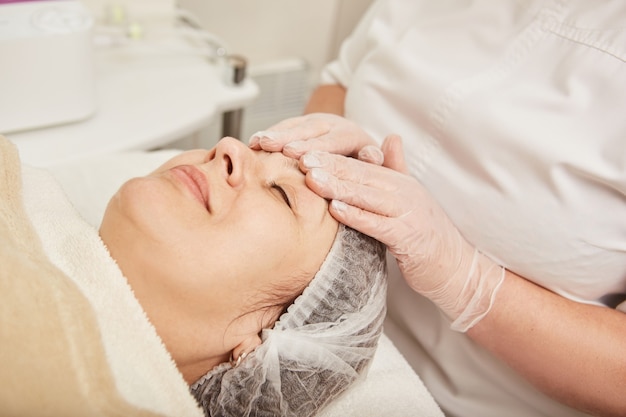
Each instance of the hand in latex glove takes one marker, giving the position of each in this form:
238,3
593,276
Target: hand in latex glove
319,131
393,207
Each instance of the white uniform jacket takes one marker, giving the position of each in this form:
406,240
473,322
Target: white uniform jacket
513,115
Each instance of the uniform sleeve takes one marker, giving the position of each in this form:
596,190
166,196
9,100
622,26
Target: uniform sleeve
353,49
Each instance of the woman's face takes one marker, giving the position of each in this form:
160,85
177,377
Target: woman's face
214,243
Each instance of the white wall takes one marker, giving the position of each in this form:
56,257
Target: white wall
267,30
275,31
348,14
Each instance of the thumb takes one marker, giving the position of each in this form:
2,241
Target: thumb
394,154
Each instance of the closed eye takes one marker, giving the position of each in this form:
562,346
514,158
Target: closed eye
282,193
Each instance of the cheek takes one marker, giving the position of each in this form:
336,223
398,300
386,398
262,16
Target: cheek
264,234
272,245
257,246
155,207
160,230
237,253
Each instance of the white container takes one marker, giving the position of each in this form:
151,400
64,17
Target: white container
46,64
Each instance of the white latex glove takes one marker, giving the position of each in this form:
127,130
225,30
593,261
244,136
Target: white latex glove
319,131
388,204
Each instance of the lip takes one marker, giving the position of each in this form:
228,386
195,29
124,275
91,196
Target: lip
194,181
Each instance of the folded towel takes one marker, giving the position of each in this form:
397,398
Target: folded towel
75,341
52,361
144,372
391,389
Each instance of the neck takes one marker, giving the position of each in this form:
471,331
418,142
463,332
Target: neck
194,370
190,346
187,339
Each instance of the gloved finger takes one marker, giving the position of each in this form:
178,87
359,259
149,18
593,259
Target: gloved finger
392,232
394,154
275,140
285,124
351,170
373,199
328,132
372,224
325,143
371,154
343,137
293,129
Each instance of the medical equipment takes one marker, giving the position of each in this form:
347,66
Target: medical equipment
47,72
118,28
236,72
160,85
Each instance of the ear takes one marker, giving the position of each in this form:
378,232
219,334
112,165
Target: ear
246,346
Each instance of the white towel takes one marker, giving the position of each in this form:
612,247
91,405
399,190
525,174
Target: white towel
391,389
145,373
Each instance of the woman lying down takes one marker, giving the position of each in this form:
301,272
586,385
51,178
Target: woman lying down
267,305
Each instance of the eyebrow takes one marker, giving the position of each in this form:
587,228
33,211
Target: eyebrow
291,163
287,162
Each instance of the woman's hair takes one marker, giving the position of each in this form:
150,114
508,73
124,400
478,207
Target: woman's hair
323,343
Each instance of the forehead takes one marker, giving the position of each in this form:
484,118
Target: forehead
280,160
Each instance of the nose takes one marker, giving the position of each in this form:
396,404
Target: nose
234,158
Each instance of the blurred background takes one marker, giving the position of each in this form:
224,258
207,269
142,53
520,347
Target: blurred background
286,42
88,77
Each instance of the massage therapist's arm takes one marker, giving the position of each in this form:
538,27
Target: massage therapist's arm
575,353
327,98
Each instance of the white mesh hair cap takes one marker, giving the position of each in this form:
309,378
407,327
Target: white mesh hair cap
324,342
